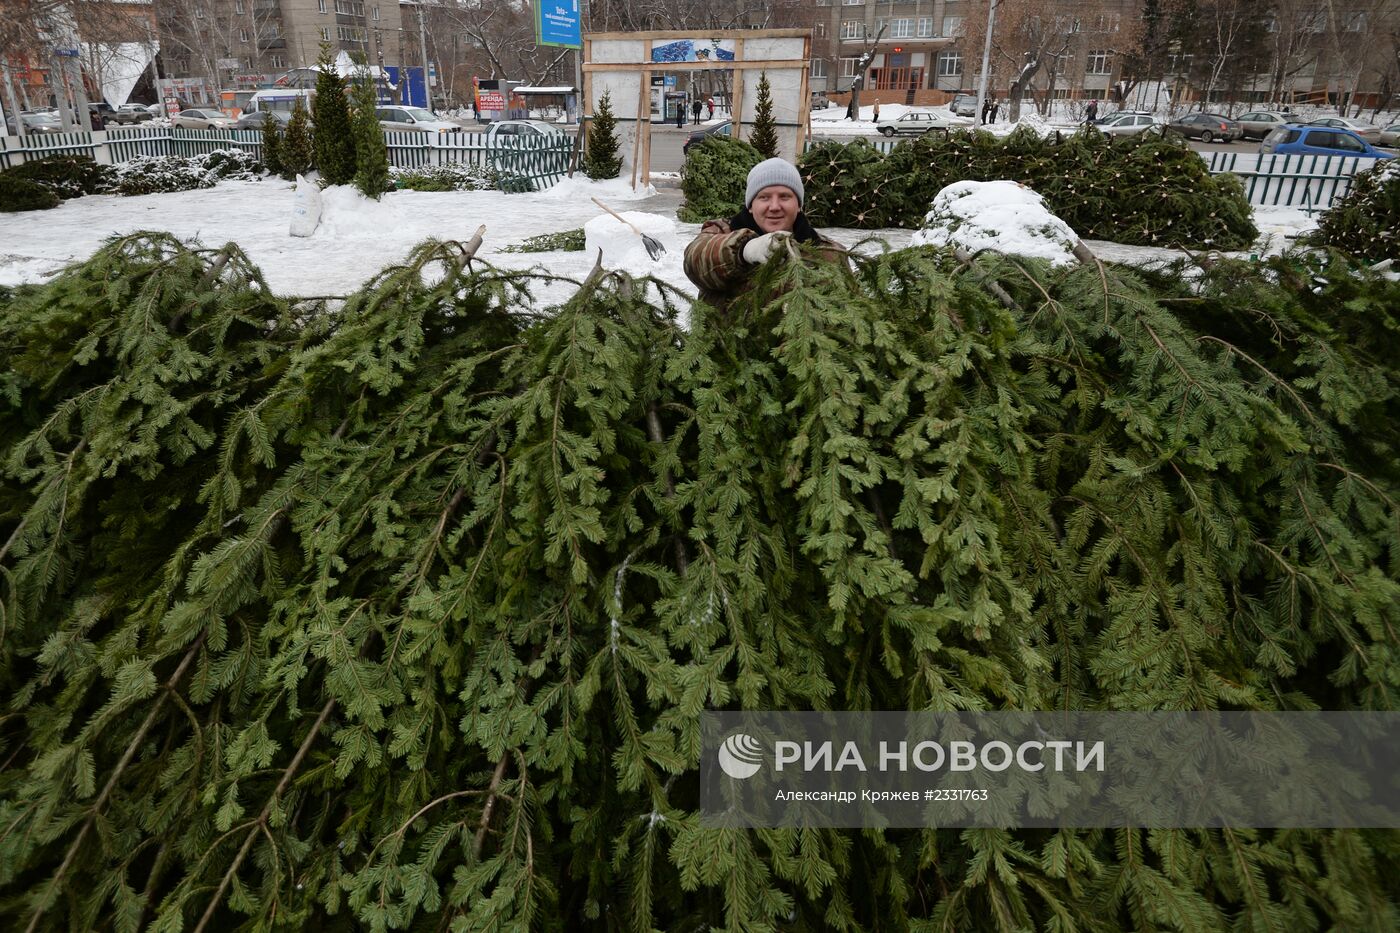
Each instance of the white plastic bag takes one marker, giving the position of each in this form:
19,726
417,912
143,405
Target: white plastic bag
306,208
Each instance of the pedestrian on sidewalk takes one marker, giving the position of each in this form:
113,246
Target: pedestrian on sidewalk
1091,114
875,114
710,104
680,116
695,109
996,109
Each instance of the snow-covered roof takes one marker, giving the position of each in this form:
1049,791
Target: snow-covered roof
543,90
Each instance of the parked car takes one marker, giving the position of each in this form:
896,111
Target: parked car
43,121
916,123
102,114
414,120
964,105
507,130
820,101
699,136
1256,124
258,119
131,114
201,120
1367,131
1390,135
1126,123
1309,139
1207,127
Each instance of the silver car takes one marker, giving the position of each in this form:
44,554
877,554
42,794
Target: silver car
1260,123
1127,124
1390,135
1367,131
201,120
916,123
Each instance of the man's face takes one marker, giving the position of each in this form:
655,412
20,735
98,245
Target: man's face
775,208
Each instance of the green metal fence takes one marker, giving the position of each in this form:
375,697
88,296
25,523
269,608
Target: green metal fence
523,163
1311,182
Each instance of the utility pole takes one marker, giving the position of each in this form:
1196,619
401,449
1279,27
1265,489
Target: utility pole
423,41
986,56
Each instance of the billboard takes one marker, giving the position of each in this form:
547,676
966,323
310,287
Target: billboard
557,23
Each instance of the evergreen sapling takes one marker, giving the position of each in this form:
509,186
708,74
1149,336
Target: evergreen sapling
601,160
335,145
272,145
298,152
764,136
371,155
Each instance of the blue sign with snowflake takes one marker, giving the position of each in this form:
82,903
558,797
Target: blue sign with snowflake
694,50
557,23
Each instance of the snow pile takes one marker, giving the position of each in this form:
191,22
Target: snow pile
346,214
1004,216
580,188
623,250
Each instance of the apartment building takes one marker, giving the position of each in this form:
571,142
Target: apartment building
247,43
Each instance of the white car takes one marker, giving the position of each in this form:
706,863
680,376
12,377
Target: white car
1127,124
1367,131
413,120
201,120
916,123
505,130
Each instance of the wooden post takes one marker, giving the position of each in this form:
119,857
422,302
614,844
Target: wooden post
643,119
736,106
804,100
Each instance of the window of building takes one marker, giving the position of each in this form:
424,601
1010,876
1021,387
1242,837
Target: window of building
1106,22
848,67
238,8
199,12
277,61
925,26
350,8
853,29
819,68
321,8
1097,62
819,30
1356,22
823,2
853,2
952,25
326,33
374,14
950,64
242,35
902,28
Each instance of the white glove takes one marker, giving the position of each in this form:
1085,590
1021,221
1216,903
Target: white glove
757,250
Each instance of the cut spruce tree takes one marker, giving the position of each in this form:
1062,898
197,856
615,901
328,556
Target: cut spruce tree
334,142
297,151
400,612
764,135
601,159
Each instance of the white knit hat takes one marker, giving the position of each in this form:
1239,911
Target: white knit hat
773,172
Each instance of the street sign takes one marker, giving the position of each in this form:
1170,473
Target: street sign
557,23
66,53
231,64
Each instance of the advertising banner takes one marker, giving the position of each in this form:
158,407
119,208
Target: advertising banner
557,23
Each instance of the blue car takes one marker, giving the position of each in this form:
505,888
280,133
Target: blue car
1299,139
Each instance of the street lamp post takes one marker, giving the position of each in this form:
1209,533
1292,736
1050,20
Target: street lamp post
986,55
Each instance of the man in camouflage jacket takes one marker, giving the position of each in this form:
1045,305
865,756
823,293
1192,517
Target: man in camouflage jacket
722,259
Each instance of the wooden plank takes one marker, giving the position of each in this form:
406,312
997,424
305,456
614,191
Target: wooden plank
736,34
772,64
643,119
804,102
736,99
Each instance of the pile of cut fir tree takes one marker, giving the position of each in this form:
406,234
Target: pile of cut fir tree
400,614
1144,191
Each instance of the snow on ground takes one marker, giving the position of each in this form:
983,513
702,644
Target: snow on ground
1002,215
357,237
